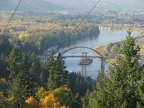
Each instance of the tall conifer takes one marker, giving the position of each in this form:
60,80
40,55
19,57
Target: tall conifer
120,89
58,77
16,89
22,79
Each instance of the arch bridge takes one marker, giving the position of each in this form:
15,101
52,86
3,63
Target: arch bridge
99,55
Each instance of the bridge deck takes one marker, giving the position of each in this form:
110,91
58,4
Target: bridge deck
76,56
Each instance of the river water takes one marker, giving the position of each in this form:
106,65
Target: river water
105,37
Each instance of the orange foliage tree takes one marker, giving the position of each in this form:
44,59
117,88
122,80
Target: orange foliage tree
64,96
32,102
60,97
49,102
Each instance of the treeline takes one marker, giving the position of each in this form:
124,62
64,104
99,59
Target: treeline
27,82
38,40
36,33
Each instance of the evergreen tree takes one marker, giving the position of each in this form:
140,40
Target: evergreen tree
16,89
28,74
61,74
140,104
22,79
2,58
5,46
79,85
3,67
100,80
120,89
16,92
14,61
58,77
51,67
34,70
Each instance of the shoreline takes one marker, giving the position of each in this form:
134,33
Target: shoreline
105,53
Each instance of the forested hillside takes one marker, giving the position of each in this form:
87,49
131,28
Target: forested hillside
27,82
36,33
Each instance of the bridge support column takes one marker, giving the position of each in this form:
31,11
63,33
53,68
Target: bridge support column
84,71
102,65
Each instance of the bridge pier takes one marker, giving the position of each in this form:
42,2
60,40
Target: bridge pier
84,71
102,64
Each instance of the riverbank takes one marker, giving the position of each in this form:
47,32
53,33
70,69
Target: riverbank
126,27
109,50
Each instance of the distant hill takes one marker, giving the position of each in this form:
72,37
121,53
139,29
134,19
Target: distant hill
28,5
69,4
122,4
104,4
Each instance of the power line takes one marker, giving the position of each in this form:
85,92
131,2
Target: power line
53,24
85,17
11,16
80,22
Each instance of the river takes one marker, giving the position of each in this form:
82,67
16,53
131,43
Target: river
105,37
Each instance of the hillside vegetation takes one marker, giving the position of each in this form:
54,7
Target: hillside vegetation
37,33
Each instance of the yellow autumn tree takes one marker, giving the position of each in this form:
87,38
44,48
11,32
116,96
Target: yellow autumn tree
59,98
23,35
32,102
49,102
64,96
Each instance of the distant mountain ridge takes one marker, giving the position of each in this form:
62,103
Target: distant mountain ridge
110,4
28,5
120,4
48,5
